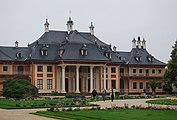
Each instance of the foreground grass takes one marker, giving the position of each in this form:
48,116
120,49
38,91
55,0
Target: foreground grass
163,102
46,103
122,114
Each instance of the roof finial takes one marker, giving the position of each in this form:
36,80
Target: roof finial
69,23
46,25
91,28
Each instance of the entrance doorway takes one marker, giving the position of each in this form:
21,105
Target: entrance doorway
121,85
88,85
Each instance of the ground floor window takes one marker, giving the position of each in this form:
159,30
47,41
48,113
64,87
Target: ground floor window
49,84
113,84
134,85
159,85
39,84
140,85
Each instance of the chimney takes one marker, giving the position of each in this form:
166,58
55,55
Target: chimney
144,44
46,26
91,29
114,49
16,43
69,25
133,43
138,42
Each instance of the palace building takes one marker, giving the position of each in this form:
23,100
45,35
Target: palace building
78,62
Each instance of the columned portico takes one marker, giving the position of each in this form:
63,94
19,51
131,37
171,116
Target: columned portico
104,77
63,79
91,78
77,79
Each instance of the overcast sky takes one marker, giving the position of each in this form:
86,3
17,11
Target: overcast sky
116,21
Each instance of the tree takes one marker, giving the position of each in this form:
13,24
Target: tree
170,76
153,85
18,89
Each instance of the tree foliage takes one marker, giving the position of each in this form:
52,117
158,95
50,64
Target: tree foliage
18,89
170,76
153,84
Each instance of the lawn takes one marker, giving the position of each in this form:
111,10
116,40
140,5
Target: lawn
121,114
163,102
45,103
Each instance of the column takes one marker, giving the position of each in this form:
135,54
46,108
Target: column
130,83
77,79
104,77
63,80
91,79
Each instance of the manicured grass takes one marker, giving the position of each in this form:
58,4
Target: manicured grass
46,103
121,114
163,102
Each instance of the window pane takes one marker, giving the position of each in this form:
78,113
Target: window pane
134,70
39,69
5,68
134,85
113,70
49,84
49,68
39,84
141,85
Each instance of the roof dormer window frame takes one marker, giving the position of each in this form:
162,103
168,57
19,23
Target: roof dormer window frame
44,52
19,55
138,58
60,52
84,52
108,55
150,58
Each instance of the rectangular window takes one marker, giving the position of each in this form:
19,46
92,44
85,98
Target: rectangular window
39,84
106,84
39,68
5,68
113,84
134,71
106,70
134,85
153,71
159,85
121,70
49,68
20,68
140,71
147,71
159,71
113,70
72,84
140,85
49,84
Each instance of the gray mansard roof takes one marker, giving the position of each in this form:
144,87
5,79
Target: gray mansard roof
144,57
71,43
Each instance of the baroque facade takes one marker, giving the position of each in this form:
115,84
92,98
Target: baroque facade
77,62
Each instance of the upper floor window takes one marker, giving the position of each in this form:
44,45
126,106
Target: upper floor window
147,71
153,71
140,71
49,68
39,68
134,71
113,70
20,68
159,71
5,68
121,70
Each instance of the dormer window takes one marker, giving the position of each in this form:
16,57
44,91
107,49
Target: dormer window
150,58
138,58
61,51
43,52
84,51
19,55
108,54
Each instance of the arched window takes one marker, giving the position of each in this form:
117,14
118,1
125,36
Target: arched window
150,58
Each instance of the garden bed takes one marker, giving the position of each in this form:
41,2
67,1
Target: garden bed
172,101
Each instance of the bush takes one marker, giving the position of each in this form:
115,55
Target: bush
55,93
